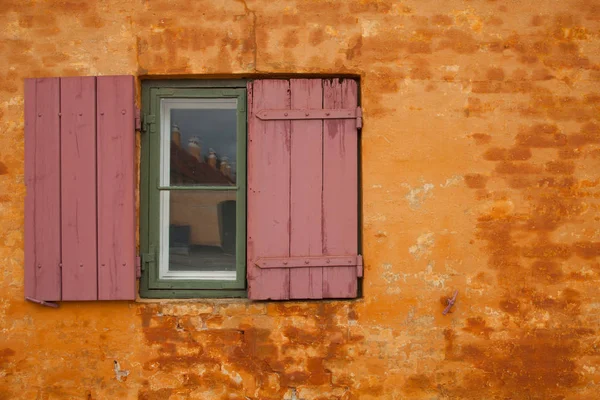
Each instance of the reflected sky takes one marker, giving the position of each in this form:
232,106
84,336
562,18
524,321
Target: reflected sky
215,128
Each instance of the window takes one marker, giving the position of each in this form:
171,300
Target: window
194,190
281,225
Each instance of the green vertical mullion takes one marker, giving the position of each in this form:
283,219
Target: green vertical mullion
241,192
154,195
144,188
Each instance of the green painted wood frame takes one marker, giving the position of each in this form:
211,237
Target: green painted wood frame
151,286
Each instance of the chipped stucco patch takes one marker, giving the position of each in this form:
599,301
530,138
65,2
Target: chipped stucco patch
452,181
425,243
120,374
417,196
501,94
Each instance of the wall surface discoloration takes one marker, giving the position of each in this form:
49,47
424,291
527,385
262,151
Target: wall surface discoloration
480,160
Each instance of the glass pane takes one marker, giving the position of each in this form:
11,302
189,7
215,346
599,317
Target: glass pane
201,134
201,231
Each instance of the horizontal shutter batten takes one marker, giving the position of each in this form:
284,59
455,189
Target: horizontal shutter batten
308,262
307,113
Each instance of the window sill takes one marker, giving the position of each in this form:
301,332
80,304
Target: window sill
195,300
153,295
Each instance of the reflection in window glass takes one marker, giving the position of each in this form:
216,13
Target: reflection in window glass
202,230
203,145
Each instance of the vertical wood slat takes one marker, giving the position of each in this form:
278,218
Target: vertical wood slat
340,188
268,190
78,188
42,178
306,189
116,187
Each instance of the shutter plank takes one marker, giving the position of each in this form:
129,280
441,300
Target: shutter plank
42,202
78,188
268,190
340,188
116,187
306,189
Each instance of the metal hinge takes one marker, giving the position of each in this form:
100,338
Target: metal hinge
138,267
148,123
358,117
138,119
300,114
147,258
359,266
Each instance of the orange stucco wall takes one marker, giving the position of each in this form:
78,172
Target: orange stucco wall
480,169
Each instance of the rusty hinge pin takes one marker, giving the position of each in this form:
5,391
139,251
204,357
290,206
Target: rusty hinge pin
138,267
359,266
450,303
42,302
138,119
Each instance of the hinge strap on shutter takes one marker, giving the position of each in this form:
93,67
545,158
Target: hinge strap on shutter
304,262
298,114
42,302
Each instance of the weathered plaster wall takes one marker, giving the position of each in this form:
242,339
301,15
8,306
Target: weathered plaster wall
481,166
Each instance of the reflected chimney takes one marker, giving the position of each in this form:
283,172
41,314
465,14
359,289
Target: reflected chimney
194,148
224,165
176,135
212,158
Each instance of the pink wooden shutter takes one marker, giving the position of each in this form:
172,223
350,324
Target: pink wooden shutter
268,190
303,189
340,187
116,188
306,190
78,188
79,167
42,177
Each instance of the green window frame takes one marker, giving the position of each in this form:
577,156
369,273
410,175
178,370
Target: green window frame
154,95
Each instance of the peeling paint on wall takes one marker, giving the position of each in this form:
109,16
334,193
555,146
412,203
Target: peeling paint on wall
479,171
423,246
417,196
120,374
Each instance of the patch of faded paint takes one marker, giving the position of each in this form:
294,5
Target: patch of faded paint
369,28
120,374
389,275
417,196
425,243
453,181
504,95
